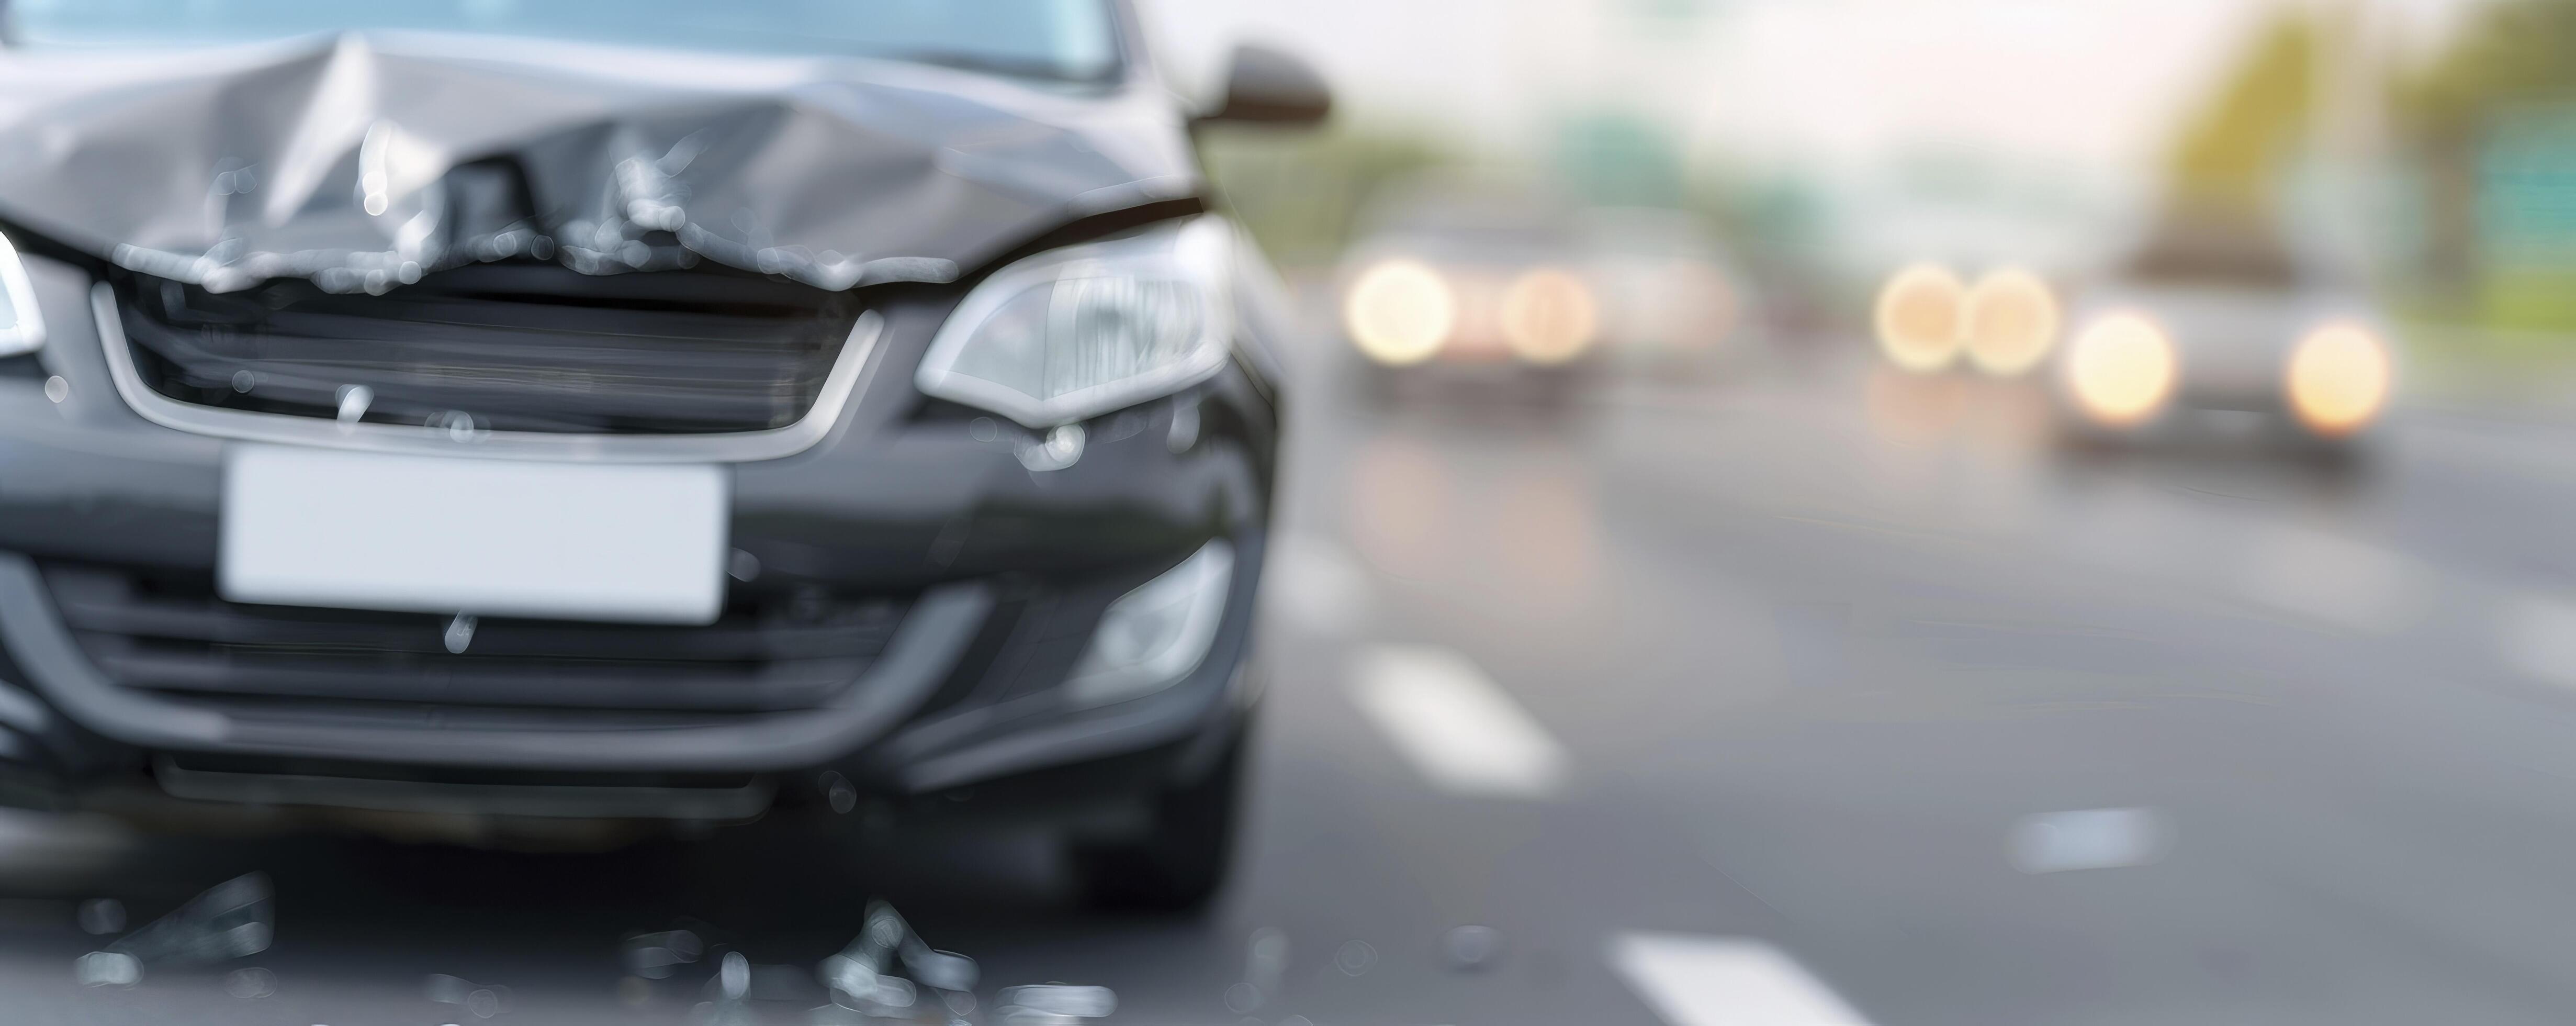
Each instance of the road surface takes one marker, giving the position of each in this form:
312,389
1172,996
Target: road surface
1796,697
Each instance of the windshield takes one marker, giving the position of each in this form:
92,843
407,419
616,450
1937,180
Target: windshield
2214,253
1072,39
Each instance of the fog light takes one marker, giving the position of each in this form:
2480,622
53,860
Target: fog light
2122,370
1155,635
2338,379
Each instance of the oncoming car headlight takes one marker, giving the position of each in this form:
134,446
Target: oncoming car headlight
1400,312
22,327
2122,369
1918,317
2338,379
1077,332
2011,322
1549,317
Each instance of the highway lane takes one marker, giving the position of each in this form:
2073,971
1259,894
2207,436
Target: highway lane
2328,708
1807,697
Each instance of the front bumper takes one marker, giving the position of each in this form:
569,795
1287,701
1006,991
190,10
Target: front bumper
1002,573
2206,410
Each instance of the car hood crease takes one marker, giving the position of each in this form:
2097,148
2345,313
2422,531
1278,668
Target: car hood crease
361,162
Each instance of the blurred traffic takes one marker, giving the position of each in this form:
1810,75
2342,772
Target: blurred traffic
1462,274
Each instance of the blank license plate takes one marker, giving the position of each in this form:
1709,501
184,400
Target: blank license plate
574,541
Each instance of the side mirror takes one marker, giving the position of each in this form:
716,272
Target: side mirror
1269,86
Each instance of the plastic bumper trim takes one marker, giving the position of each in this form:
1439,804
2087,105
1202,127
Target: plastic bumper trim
933,637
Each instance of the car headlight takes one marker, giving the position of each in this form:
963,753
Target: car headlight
1155,635
2122,369
1918,317
22,326
2338,379
2011,322
1400,312
1549,317
1077,332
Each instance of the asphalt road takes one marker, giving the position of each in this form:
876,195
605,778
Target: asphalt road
1799,697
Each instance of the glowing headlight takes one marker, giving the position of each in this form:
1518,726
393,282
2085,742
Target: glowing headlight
1077,332
2122,369
2012,322
1400,312
1918,317
2338,379
22,327
1549,317
1155,635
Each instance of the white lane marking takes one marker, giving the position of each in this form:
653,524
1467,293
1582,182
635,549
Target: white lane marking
2059,842
1725,981
1455,724
1317,585
2329,577
2537,634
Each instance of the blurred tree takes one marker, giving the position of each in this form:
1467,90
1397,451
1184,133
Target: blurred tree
1619,159
2235,152
1299,192
2486,127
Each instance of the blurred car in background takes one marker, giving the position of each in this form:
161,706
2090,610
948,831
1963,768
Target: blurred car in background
1929,320
1509,286
2215,328
2210,329
1671,300
496,420
1471,281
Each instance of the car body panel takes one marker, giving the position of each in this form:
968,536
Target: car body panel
249,162
908,184
2235,299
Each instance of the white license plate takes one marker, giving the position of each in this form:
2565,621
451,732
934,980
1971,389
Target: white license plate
577,541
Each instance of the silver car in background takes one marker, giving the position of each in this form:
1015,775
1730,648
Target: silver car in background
2212,330
2216,329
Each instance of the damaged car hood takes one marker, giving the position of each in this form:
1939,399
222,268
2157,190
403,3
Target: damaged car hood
361,162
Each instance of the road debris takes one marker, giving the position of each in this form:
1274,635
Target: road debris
233,919
1355,958
731,1003
1472,948
250,984
863,981
655,956
107,969
478,1000
102,916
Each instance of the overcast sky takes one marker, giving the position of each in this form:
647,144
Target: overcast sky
2085,83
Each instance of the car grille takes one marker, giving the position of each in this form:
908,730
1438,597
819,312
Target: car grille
169,633
512,346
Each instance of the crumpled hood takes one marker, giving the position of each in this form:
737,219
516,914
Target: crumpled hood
363,162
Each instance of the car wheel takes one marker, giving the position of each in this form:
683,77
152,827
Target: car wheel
1178,862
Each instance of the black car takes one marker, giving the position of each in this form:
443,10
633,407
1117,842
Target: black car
514,416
